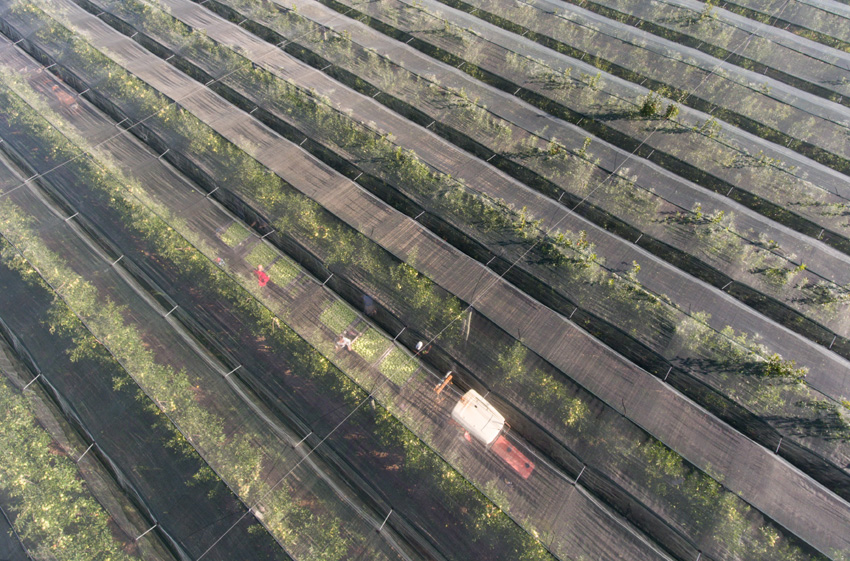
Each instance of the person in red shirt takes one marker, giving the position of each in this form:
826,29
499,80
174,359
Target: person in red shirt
262,277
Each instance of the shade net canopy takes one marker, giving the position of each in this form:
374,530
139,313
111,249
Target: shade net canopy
259,237
782,55
673,324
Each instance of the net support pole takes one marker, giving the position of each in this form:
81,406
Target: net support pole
639,237
327,279
399,333
385,521
778,445
31,381
729,192
232,371
699,554
118,124
834,337
143,534
207,196
82,92
264,236
72,216
167,150
418,215
669,370
83,455
491,157
725,286
821,233
300,442
116,261
583,467
573,313
171,310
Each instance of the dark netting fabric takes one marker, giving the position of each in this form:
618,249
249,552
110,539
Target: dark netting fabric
273,309
748,43
672,323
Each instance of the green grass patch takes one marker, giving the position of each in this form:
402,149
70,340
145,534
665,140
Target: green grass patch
398,367
235,234
338,316
261,254
371,345
282,272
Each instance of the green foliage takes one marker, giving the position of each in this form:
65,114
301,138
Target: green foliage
261,254
708,11
651,105
235,234
710,128
337,316
398,367
370,345
540,387
776,367
582,152
53,511
824,292
282,271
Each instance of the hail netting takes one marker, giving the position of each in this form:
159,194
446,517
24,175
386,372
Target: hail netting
697,78
359,447
828,19
681,337
351,279
799,62
239,442
728,239
72,442
695,145
167,481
